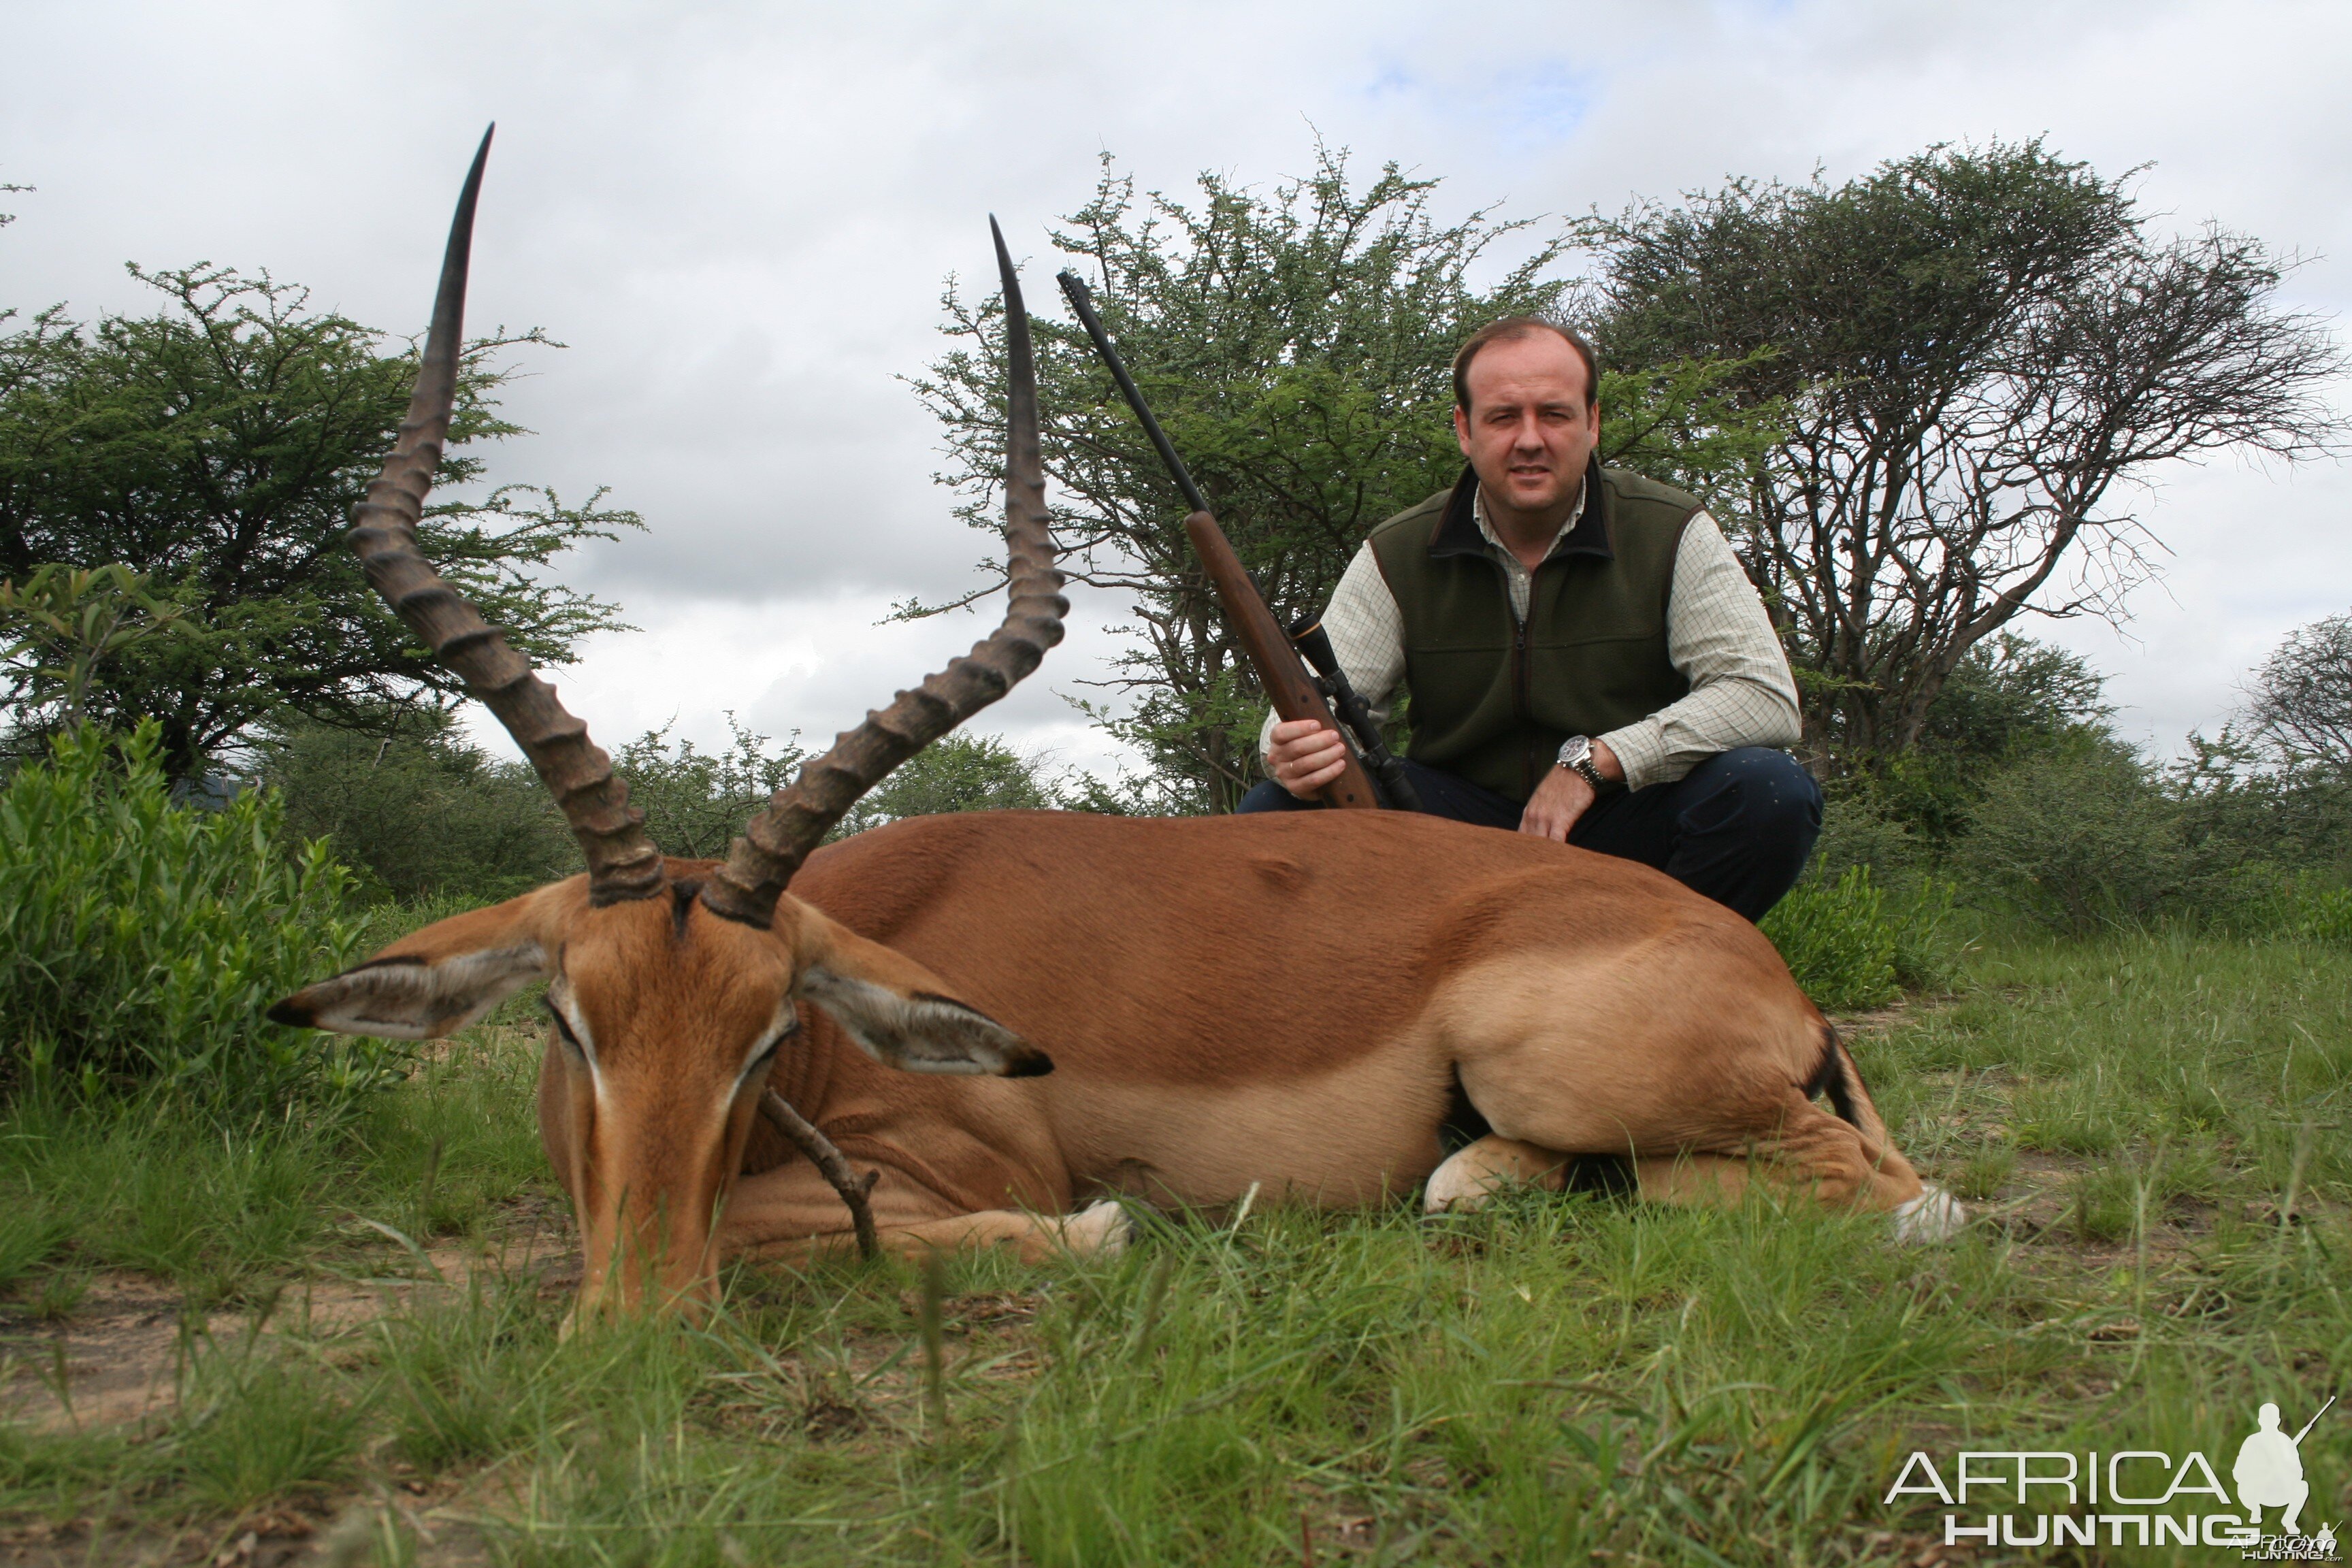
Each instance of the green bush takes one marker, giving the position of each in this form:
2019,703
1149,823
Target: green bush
2264,902
1837,941
416,811
696,802
957,773
1929,934
2320,914
141,939
2083,838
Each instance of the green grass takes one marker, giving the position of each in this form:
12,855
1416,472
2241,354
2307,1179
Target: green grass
2152,1125
225,1212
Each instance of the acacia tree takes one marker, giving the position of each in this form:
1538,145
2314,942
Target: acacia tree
1296,343
215,450
2301,696
1982,356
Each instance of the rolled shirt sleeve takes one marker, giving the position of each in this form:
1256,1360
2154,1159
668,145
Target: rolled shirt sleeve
1717,637
1720,638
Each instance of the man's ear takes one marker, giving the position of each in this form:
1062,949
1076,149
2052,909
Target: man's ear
899,1011
431,982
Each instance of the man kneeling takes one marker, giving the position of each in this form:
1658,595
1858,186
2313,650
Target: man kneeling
1586,659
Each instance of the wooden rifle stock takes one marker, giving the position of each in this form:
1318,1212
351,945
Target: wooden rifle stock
1284,676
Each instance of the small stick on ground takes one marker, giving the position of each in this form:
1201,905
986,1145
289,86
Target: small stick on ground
829,1161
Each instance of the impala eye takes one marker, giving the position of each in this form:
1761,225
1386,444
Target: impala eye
792,1025
564,1027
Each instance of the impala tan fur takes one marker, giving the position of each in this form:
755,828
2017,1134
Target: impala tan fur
1289,1004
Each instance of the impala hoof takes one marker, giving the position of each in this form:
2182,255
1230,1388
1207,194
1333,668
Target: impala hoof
1463,1183
1934,1215
1100,1230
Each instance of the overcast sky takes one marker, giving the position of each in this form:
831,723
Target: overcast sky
739,219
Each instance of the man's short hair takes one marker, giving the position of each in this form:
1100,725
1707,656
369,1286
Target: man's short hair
1511,328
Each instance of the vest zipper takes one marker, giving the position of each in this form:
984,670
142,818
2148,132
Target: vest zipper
1522,698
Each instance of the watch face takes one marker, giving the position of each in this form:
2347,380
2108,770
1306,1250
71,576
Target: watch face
1574,750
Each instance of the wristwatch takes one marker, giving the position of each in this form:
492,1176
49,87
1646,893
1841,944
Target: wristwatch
1576,756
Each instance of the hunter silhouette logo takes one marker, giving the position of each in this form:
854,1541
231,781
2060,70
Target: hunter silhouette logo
2269,1471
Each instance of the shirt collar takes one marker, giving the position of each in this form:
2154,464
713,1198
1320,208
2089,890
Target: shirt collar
1464,530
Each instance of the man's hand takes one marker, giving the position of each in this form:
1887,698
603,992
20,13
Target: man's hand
1306,754
1563,797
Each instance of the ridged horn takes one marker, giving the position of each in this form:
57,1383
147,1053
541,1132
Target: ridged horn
795,820
622,860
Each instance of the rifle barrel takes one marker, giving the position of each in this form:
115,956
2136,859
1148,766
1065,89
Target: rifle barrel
1081,301
2314,1419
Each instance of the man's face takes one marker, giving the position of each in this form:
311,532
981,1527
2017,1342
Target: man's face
1528,431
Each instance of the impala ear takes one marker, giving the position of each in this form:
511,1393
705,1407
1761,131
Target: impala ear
430,984
901,1013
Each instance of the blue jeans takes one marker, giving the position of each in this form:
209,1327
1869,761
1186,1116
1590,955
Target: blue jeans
1737,828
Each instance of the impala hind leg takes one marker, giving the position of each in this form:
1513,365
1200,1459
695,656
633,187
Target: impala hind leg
1824,1157
1816,1155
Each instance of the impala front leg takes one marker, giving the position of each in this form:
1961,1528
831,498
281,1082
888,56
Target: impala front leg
1477,1172
792,1212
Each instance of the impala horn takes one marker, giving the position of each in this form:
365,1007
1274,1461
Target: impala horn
623,863
795,820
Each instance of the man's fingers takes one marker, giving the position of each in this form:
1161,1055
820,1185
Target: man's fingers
1545,826
1308,784
1291,730
1306,761
1305,777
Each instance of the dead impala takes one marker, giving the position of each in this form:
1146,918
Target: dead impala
1290,1003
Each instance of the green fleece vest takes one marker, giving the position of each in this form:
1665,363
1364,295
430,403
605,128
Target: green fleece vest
1492,700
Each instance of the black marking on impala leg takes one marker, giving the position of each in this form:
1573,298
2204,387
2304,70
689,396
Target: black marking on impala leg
1830,1077
415,959
1465,1124
1603,1175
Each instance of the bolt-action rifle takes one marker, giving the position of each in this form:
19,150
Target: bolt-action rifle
1296,693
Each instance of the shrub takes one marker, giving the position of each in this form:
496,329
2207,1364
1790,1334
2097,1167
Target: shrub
2263,901
2083,838
417,811
141,939
695,802
957,772
1837,941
